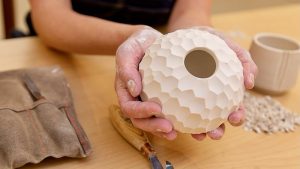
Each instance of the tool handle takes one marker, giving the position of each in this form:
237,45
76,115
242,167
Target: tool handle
136,137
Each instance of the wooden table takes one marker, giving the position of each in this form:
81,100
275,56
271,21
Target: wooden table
91,79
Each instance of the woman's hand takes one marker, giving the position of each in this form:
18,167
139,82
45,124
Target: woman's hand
128,84
147,115
249,71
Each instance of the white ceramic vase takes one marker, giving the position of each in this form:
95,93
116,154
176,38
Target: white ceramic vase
195,76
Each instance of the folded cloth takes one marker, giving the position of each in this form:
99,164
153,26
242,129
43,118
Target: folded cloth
37,118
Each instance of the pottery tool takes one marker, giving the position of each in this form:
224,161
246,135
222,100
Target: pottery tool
136,137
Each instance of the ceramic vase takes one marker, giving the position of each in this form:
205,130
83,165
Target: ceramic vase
195,77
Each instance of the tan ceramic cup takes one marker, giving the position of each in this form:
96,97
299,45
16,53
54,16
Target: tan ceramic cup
278,59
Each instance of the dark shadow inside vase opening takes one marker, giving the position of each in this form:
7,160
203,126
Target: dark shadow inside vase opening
200,63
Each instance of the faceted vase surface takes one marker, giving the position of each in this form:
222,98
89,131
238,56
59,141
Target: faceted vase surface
195,77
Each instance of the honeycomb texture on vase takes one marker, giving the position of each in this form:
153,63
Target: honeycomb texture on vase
195,76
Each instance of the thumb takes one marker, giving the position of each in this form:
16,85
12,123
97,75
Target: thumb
129,55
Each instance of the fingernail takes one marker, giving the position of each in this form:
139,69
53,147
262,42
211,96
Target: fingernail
167,137
216,134
251,81
164,136
164,130
131,86
158,130
234,120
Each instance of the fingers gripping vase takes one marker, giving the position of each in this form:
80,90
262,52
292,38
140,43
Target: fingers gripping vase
196,78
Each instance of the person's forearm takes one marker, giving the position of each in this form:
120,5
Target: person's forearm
189,13
62,28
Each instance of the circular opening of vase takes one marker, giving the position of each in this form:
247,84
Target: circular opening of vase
200,63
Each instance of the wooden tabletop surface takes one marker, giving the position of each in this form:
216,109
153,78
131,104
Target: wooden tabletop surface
92,79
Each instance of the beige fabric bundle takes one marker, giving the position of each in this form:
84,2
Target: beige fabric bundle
37,118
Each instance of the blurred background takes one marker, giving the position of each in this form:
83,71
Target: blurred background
16,10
